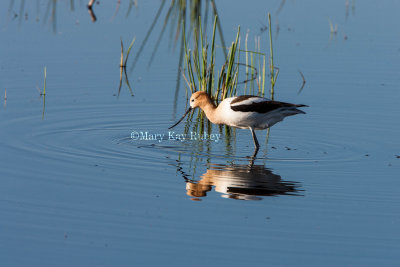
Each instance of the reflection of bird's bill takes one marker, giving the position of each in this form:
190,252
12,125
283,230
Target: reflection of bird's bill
184,115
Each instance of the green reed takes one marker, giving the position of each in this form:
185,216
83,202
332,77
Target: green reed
176,16
43,93
200,69
202,74
200,66
273,74
253,77
333,28
123,62
45,78
122,66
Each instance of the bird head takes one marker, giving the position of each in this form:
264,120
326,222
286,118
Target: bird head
199,99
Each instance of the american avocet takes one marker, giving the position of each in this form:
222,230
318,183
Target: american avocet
245,112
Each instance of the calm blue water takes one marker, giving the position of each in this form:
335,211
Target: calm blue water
77,190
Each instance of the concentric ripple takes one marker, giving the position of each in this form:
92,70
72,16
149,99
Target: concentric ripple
104,135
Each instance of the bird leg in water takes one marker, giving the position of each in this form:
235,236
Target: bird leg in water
254,139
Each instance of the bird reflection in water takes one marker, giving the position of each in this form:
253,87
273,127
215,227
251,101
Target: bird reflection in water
241,182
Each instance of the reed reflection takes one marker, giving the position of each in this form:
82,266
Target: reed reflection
91,12
241,182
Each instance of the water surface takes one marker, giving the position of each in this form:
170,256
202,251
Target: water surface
77,190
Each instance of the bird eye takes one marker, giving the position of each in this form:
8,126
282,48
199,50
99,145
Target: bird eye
192,100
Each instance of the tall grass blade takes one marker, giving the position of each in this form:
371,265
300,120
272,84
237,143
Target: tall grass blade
161,33
121,64
45,77
129,50
44,106
271,66
147,35
221,36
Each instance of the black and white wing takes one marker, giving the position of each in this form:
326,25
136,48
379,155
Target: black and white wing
249,103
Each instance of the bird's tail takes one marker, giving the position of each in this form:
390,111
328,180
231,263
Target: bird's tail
292,111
